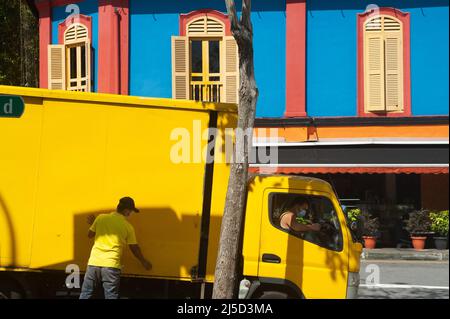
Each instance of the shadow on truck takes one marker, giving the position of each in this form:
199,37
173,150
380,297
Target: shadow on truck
171,242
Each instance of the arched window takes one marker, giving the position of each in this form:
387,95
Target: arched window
77,32
205,26
205,59
70,60
77,44
384,62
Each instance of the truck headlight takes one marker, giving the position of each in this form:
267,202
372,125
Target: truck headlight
352,285
244,287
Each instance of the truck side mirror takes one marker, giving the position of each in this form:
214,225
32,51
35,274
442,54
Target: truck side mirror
356,229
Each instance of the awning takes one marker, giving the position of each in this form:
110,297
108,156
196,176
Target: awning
354,157
349,170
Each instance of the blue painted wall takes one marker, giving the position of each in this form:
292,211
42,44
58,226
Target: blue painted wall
89,8
153,23
331,51
332,54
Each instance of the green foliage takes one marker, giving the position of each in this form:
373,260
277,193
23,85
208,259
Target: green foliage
419,222
439,223
302,220
370,225
19,41
353,214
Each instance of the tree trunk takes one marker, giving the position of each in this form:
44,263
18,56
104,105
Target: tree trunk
228,256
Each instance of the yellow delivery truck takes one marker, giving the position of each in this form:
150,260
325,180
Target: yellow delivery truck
68,155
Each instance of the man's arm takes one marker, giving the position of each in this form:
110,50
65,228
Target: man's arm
90,220
296,226
136,250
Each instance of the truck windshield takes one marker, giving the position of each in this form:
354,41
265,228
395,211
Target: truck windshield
308,210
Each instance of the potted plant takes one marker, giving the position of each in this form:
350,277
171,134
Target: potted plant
370,230
439,225
354,221
418,225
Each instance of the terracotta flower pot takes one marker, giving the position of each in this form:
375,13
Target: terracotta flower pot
418,242
370,242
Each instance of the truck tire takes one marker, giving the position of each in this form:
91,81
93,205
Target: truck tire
9,289
273,295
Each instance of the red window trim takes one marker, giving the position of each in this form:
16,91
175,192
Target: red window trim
404,17
188,17
79,18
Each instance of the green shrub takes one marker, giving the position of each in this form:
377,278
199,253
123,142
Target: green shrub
439,223
353,214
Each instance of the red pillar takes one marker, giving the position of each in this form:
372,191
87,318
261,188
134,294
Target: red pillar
295,58
113,46
108,48
45,38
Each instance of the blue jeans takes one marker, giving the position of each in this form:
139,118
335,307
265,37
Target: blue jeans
109,278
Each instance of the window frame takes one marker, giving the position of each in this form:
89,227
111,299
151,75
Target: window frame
270,196
404,19
227,89
86,22
79,78
204,87
206,74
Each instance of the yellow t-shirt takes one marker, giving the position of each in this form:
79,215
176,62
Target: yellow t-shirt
112,233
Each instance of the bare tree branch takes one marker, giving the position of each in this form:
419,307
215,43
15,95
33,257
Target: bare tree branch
245,17
232,14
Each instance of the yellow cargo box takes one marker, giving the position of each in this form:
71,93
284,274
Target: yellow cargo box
74,154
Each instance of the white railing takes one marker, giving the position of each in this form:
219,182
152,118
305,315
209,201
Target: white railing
206,91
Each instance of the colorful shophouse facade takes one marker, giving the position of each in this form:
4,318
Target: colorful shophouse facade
358,90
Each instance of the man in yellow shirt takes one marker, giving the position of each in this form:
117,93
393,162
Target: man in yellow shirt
112,232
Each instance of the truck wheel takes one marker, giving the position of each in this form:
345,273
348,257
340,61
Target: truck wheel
9,289
273,295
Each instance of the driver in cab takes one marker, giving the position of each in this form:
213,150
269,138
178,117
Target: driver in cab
295,217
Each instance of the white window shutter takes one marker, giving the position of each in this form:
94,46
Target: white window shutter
374,72
231,69
394,72
56,67
180,68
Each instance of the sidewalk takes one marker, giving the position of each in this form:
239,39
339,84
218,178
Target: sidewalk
404,254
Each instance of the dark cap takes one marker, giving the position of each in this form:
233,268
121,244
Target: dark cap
127,203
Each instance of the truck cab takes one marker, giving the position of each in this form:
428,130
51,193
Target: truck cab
280,263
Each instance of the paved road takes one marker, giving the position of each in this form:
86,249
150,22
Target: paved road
404,280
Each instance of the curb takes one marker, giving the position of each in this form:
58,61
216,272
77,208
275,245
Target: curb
404,254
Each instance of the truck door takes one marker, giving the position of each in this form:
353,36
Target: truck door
316,262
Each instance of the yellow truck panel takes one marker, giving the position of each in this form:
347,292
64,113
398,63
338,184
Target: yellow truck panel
69,157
